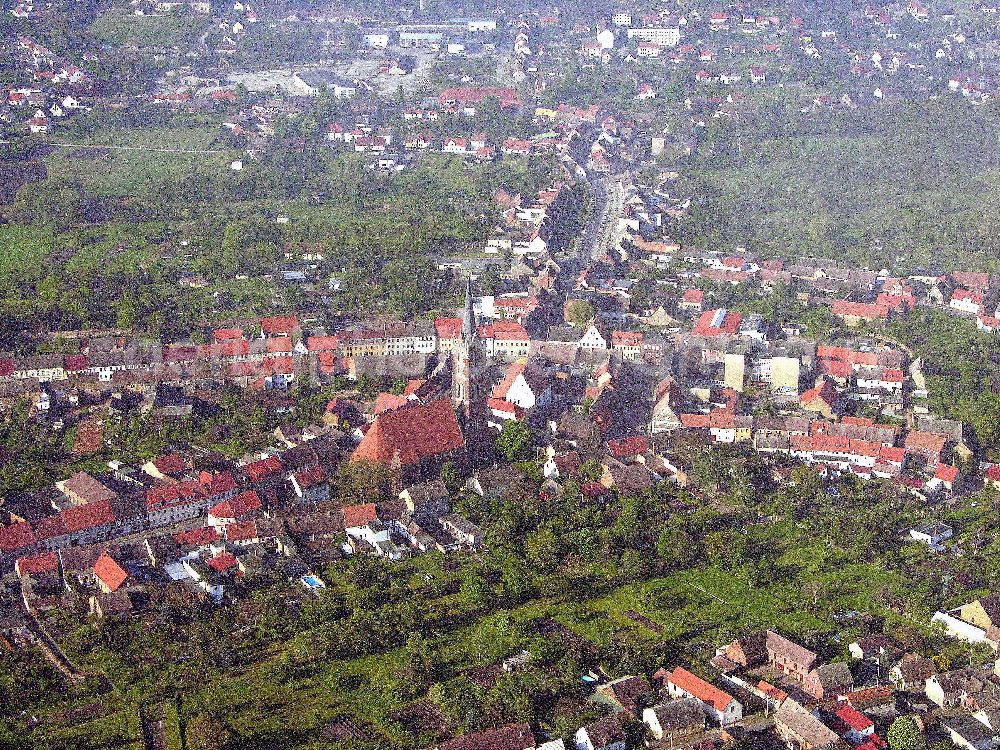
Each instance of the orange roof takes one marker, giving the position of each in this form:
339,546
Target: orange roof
946,473
224,334
504,330
859,309
501,388
109,572
925,442
387,402
323,343
697,687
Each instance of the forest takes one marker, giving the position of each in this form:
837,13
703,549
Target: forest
898,185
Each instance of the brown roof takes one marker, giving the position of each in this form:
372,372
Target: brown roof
804,725
628,691
88,489
606,731
925,442
412,433
790,650
513,737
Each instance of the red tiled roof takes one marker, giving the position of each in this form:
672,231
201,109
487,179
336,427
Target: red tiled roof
240,506
626,338
109,572
892,454
504,406
694,296
310,477
448,328
971,279
279,345
50,527
501,388
218,484
465,95
859,309
197,537
925,442
703,691
946,473
730,323
854,719
225,334
16,536
170,465
412,433
505,330
88,516
266,468
825,392
279,324
387,402
323,343
174,494
359,515
241,532
44,563
628,447
221,562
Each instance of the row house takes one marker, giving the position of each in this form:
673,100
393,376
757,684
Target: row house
505,340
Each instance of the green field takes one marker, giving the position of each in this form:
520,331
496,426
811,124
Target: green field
126,29
144,172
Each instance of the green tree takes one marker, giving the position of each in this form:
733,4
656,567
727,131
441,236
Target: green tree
514,440
579,312
904,735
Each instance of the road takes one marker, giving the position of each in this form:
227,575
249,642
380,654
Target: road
604,233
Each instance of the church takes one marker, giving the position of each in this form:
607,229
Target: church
416,439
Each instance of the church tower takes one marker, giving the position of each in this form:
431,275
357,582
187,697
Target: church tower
464,359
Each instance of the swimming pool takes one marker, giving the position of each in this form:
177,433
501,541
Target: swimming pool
313,582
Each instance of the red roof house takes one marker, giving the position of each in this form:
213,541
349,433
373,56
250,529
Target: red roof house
110,575
411,434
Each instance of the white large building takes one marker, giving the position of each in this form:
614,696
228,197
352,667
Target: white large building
665,37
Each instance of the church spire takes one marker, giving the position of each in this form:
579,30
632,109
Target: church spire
468,314
462,357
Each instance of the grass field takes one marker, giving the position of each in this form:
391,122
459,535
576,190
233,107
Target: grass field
119,27
140,173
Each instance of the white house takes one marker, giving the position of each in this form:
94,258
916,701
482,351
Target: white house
593,339
377,41
933,534
718,705
606,39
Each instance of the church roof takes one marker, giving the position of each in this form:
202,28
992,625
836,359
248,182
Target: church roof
414,432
